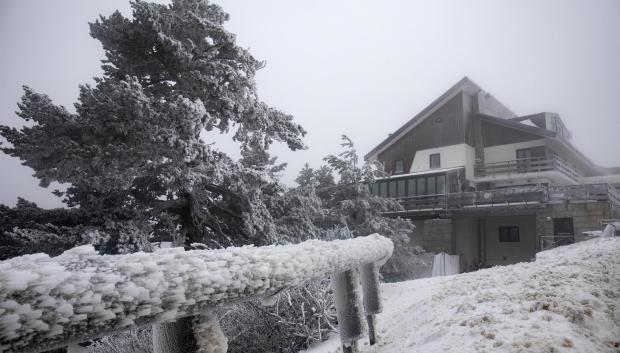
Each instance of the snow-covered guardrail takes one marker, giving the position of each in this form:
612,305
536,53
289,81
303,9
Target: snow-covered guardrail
48,302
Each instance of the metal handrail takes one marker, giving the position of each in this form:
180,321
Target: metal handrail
522,194
553,241
527,165
80,295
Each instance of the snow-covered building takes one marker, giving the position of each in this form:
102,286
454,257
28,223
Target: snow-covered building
479,181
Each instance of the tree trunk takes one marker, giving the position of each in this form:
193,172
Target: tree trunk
191,231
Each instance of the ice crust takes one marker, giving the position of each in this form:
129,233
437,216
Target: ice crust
47,302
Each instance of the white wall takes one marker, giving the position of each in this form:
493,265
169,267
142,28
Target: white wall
508,152
461,155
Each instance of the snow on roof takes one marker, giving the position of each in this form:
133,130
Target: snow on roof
425,172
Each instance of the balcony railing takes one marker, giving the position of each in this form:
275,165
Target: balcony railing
510,196
527,165
426,202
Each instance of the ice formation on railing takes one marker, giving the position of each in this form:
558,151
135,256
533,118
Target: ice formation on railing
46,302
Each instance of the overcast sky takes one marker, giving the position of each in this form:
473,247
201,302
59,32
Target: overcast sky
360,68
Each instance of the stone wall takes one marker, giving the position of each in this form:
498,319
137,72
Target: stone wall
586,216
434,235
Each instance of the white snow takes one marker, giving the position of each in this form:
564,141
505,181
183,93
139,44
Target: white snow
46,302
568,300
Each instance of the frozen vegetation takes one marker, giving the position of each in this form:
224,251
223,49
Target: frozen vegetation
568,300
45,301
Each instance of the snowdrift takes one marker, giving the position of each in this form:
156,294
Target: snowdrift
568,300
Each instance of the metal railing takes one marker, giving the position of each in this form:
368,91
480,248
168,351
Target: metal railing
514,195
527,165
506,196
47,303
614,195
425,202
587,192
553,241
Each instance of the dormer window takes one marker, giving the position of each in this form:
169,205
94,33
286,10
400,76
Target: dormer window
435,161
399,167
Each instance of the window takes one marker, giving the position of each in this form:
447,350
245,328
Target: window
383,189
441,184
562,226
435,161
509,234
400,188
421,186
375,189
563,231
392,190
525,153
430,185
399,167
411,187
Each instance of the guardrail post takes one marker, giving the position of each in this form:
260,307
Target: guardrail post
174,337
199,333
348,309
372,297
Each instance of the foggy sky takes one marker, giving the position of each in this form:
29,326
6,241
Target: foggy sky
361,68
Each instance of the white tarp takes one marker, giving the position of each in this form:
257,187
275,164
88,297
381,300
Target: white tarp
445,265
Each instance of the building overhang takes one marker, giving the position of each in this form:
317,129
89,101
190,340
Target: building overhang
424,172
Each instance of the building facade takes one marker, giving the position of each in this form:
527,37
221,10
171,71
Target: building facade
493,187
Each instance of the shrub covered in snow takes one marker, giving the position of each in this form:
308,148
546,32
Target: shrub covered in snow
294,320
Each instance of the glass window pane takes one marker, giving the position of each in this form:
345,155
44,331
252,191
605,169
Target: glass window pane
375,189
441,184
430,185
399,167
383,189
421,186
435,161
411,187
400,189
392,189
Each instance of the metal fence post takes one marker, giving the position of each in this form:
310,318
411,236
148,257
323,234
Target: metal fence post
348,309
199,333
372,297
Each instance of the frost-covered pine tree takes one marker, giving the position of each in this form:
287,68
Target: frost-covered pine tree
306,177
132,151
354,209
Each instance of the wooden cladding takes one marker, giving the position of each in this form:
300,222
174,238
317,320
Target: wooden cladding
444,127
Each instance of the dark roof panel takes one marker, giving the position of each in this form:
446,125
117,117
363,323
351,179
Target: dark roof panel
510,123
421,114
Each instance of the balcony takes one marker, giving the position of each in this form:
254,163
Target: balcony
507,197
527,167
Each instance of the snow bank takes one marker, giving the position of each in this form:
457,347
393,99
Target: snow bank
47,302
568,300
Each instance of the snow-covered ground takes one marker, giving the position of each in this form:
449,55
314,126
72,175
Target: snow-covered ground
568,300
